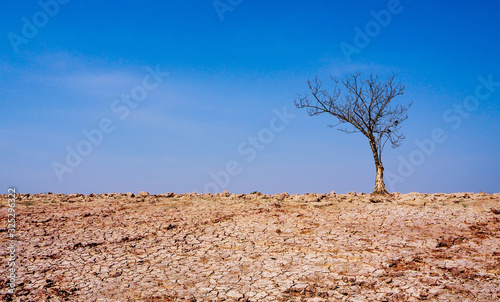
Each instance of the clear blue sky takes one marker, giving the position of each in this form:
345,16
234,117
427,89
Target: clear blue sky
211,124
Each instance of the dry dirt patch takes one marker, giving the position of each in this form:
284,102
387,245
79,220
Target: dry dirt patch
255,247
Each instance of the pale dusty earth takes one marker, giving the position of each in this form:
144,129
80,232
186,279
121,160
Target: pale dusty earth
254,247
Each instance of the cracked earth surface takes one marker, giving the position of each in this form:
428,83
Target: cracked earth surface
254,247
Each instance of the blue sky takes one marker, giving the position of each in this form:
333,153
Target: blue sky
223,117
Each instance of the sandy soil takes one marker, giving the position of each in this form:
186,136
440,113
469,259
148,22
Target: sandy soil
254,247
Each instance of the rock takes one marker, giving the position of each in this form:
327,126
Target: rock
225,194
281,196
143,193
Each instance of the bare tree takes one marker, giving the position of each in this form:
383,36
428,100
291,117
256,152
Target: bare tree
366,106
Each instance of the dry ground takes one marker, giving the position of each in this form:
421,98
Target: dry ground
254,247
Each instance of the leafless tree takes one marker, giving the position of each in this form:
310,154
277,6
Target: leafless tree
366,106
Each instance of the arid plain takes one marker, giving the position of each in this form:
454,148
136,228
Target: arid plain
254,247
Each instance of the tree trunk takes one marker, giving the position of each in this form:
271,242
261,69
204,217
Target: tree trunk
379,181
